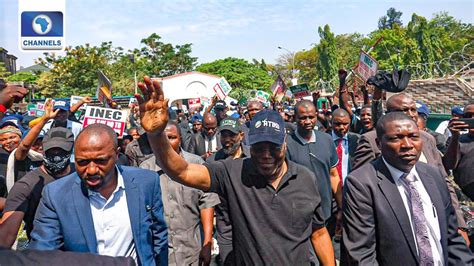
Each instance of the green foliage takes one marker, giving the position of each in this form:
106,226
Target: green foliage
4,73
241,75
327,64
76,72
392,18
23,76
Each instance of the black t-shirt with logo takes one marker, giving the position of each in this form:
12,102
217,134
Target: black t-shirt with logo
269,226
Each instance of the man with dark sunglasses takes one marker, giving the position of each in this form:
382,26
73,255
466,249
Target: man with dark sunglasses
274,204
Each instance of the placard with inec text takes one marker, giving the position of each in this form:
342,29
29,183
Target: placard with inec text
300,91
116,119
222,89
367,66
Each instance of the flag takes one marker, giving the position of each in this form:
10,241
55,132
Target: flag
278,88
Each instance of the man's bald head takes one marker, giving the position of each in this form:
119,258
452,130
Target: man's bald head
209,124
303,105
209,118
100,131
403,102
339,112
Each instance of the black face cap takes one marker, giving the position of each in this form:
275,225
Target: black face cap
397,81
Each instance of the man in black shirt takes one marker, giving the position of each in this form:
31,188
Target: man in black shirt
25,195
274,204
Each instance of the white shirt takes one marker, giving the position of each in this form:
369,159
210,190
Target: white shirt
345,154
213,140
429,210
112,226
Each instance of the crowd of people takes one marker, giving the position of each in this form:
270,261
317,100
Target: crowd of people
263,183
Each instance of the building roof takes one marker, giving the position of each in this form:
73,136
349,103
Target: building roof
34,68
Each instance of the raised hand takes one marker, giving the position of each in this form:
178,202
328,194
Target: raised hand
153,106
49,112
10,94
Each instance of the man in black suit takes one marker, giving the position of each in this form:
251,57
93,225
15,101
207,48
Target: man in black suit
345,142
397,210
208,141
368,150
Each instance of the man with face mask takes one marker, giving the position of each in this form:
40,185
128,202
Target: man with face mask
25,195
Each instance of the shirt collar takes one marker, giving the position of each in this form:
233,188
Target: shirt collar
336,137
302,140
396,173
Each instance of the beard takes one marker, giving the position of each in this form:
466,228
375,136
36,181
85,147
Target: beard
232,149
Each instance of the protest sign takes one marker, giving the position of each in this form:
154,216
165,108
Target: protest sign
278,88
222,89
367,66
133,101
262,96
194,103
32,109
76,99
104,89
116,119
300,91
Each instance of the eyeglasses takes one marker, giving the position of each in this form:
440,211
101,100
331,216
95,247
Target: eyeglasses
261,148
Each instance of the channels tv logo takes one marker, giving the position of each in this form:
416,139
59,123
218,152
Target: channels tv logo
42,30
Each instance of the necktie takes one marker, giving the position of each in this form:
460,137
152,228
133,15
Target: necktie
339,156
209,145
418,221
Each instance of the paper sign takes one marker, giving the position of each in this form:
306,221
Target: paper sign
222,89
262,96
39,113
40,106
104,89
194,103
300,91
367,66
116,119
76,99
133,101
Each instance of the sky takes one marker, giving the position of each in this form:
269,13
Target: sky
219,29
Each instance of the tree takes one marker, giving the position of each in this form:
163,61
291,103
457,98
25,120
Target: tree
75,73
164,59
327,64
24,77
4,73
241,75
392,18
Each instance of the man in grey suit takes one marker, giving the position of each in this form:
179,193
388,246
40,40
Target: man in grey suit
368,150
397,210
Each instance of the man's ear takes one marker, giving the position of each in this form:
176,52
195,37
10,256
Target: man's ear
377,141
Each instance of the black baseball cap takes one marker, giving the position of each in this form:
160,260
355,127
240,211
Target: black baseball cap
220,104
58,137
267,125
230,123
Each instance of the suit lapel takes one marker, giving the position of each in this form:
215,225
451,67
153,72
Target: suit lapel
133,203
84,214
390,191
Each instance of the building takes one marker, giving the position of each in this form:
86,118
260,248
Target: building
9,60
